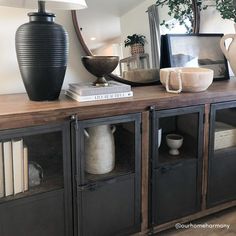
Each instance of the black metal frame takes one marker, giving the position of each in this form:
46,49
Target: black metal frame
79,183
166,60
214,108
63,127
155,165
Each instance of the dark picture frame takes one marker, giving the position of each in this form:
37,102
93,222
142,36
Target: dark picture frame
194,50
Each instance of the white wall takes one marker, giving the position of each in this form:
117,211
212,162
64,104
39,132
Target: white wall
10,79
107,48
111,48
211,22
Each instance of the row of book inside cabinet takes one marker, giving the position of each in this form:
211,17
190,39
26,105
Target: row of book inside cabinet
14,171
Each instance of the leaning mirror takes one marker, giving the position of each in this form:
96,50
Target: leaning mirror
104,26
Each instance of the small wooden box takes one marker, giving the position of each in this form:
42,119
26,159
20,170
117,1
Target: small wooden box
225,136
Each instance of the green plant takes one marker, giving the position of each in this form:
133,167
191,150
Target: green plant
227,9
135,38
182,11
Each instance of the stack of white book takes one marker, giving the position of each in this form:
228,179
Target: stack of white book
83,92
13,167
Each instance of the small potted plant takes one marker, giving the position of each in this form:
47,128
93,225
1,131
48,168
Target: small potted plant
136,43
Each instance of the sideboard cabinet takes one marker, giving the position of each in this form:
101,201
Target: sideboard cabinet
147,191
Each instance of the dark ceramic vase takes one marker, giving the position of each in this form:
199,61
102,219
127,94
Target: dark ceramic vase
42,51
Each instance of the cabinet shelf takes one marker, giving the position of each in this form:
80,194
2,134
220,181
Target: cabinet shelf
187,151
165,158
44,158
230,151
47,185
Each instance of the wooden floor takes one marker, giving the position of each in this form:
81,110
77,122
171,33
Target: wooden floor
224,217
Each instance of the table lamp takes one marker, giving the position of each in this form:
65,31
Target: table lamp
42,47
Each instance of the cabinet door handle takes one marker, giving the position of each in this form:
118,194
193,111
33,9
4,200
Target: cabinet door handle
95,186
168,168
165,169
90,187
111,181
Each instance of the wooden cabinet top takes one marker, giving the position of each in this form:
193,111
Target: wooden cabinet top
16,110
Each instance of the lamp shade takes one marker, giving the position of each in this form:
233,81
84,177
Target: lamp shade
51,4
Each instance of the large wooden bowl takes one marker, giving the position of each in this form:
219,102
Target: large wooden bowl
193,79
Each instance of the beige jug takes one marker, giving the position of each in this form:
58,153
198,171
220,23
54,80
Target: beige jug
230,53
99,149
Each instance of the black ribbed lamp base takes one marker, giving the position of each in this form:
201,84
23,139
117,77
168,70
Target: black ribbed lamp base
45,84
42,51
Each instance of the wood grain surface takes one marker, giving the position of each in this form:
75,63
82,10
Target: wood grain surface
17,110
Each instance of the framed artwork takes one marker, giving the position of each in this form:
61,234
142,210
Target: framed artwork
195,50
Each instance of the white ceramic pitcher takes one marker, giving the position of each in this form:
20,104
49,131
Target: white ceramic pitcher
99,149
230,52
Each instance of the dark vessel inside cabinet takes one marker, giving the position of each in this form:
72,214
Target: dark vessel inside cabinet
222,154
36,198
177,149
106,154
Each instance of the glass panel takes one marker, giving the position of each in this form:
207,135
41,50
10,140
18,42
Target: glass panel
178,137
225,131
32,164
109,150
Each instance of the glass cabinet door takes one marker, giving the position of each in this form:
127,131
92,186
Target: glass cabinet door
177,149
35,175
107,160
222,154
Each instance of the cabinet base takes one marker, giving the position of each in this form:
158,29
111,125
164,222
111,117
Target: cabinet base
192,217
